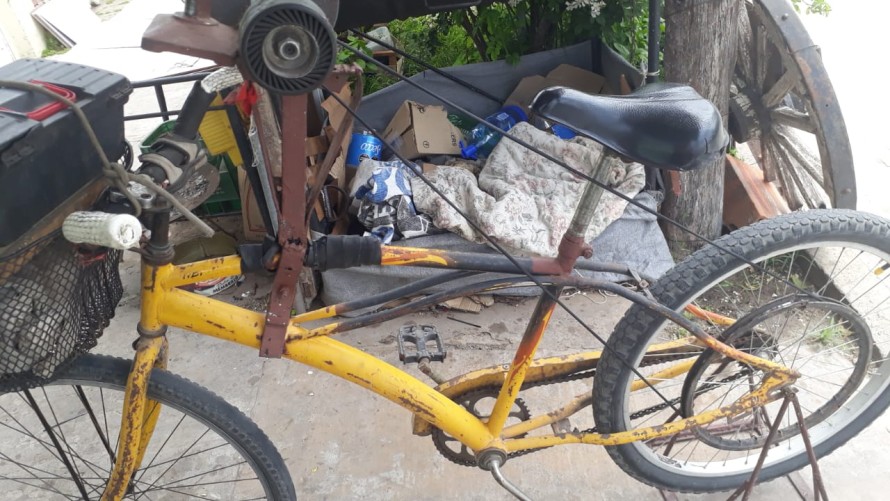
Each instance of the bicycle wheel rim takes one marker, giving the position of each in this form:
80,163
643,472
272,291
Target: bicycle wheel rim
840,426
161,475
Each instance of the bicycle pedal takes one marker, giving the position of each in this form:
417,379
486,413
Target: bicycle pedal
417,339
562,427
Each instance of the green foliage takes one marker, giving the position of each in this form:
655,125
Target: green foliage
832,335
53,47
346,56
813,6
511,29
627,31
433,40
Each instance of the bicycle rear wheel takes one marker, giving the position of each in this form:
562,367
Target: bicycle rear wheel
834,340
58,441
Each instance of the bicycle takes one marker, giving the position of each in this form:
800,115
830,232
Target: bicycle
731,316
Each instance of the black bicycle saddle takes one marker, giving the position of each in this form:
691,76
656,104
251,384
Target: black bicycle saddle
668,126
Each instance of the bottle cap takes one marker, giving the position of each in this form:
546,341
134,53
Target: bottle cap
469,151
517,111
562,132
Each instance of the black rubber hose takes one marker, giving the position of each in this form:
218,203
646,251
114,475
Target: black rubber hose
196,105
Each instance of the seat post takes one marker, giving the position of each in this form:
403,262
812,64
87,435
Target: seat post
590,199
574,243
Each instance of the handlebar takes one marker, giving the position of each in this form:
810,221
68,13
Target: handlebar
117,231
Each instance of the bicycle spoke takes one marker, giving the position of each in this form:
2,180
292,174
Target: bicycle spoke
62,434
28,469
153,482
199,475
103,437
58,446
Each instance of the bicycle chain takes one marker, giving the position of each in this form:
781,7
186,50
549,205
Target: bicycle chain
438,435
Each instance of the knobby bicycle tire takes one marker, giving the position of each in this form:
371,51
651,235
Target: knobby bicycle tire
708,270
96,375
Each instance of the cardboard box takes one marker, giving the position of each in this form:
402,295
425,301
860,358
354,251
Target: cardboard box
251,218
564,75
417,130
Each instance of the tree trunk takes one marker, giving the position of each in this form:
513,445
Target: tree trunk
700,50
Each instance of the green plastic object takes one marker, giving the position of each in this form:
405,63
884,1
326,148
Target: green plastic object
145,145
226,199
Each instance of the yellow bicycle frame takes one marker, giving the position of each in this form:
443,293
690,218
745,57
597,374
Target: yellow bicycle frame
164,304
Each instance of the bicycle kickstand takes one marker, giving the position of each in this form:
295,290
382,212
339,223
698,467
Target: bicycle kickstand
492,461
818,485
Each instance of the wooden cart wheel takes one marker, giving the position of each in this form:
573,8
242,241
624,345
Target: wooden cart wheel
784,108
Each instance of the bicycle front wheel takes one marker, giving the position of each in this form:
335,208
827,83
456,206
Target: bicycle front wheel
59,441
818,303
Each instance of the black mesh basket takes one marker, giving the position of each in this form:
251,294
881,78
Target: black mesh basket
55,302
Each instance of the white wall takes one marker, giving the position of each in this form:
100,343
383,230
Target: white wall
23,35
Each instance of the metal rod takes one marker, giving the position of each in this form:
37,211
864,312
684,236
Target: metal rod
417,305
191,8
170,113
428,66
590,199
162,102
654,41
745,489
495,469
818,484
191,77
400,292
449,317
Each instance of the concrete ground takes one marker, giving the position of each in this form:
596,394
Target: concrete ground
341,442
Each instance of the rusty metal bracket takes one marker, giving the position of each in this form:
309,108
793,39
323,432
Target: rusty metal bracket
193,34
292,229
819,486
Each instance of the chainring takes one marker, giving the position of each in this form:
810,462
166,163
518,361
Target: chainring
459,453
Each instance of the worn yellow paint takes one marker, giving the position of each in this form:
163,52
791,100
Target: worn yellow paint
763,395
709,316
539,370
324,330
152,409
163,304
130,443
663,375
151,295
319,314
577,403
521,361
212,317
405,256
200,271
178,308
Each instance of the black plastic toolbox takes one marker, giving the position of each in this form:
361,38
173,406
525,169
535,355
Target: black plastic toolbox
45,155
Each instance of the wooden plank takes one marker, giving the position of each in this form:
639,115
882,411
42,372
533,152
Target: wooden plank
748,197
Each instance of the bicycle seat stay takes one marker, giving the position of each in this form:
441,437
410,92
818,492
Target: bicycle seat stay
668,126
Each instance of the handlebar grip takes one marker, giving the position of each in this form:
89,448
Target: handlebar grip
117,231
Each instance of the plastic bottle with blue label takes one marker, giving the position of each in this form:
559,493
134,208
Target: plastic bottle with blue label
482,139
